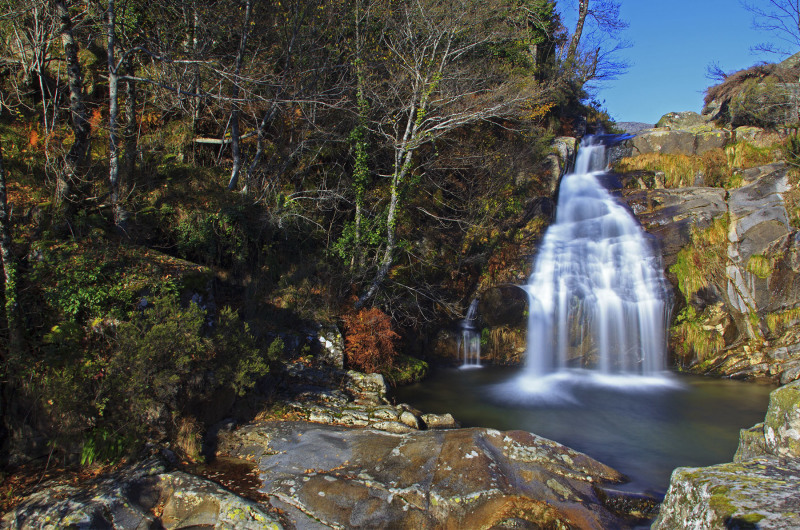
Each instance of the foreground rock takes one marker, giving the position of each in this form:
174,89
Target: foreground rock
464,478
758,490
333,473
142,496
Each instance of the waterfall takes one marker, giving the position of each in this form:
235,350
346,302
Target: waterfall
469,344
598,296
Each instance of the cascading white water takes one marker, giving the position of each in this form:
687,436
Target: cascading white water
598,296
469,343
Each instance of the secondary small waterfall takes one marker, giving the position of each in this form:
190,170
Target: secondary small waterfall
469,343
598,296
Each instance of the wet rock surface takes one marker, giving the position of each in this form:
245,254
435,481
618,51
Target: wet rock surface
669,214
758,493
750,299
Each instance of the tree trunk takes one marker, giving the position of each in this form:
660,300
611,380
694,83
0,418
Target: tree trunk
572,51
131,129
79,119
404,153
12,312
402,164
262,129
236,151
113,120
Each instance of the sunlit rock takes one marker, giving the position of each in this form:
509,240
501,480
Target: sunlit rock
757,490
464,478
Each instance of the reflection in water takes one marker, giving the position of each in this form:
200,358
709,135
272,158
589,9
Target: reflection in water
644,432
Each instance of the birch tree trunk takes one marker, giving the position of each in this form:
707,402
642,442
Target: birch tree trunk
583,11
79,119
236,151
113,118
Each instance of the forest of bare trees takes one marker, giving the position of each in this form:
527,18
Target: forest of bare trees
317,157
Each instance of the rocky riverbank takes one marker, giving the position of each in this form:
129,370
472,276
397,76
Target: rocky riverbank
759,489
362,462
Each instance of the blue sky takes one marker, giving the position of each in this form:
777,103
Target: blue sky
673,43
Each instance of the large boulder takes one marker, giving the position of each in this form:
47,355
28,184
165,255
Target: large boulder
681,120
665,141
707,140
680,141
758,490
759,493
782,424
681,133
464,478
504,305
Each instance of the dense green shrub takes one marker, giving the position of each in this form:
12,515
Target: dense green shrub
165,360
214,238
761,103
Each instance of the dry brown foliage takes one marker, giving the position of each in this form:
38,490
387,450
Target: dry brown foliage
730,86
370,341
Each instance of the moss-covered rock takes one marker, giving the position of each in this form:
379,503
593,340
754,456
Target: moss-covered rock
782,424
757,490
751,443
761,491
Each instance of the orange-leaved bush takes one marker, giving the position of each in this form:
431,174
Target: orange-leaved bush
369,340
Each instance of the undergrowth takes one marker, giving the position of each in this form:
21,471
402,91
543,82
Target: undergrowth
694,336
703,262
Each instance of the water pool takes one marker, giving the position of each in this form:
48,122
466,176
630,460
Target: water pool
644,431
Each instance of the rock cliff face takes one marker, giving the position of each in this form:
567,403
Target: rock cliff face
722,205
730,250
757,490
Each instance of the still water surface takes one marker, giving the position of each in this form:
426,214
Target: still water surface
644,432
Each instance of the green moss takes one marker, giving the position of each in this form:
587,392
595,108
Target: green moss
761,266
776,322
721,504
704,260
751,518
695,336
406,370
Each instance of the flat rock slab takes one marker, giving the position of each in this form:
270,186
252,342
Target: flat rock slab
757,493
463,478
